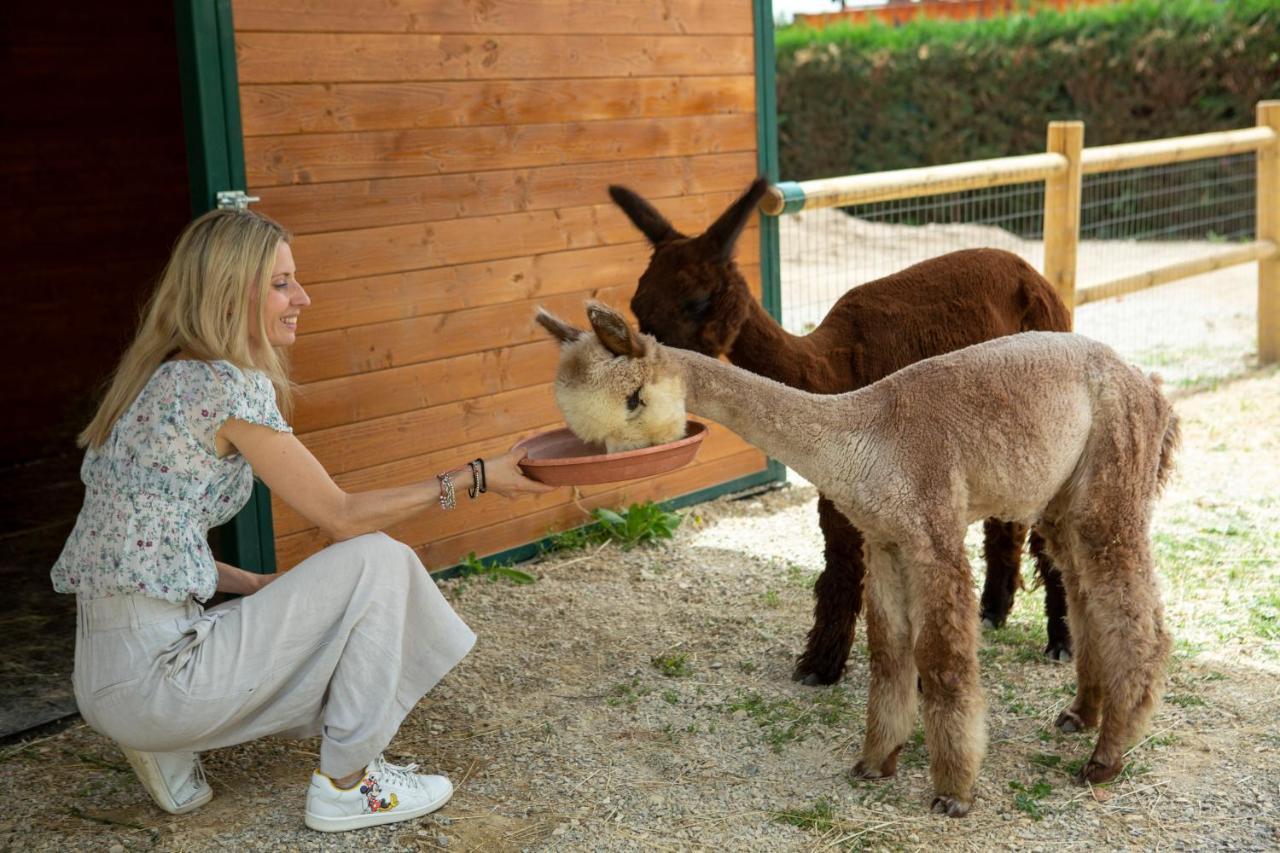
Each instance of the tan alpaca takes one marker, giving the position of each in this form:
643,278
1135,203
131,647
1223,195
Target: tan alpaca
1041,428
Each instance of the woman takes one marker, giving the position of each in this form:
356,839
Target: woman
342,646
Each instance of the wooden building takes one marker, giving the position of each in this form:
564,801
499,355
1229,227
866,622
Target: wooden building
443,166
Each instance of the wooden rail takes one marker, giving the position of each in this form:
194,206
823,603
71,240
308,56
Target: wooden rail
1061,168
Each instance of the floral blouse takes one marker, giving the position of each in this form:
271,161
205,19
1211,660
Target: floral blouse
156,486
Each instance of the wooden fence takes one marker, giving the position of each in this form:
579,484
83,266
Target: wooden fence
1061,168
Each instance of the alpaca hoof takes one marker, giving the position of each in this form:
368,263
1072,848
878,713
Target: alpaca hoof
863,770
992,619
1070,722
951,806
1059,652
814,677
1096,773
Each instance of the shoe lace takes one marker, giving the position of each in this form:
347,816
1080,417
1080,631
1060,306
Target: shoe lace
400,774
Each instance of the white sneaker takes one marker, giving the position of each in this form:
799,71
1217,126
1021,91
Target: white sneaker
385,794
175,780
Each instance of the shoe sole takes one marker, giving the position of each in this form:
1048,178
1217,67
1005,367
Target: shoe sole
151,778
342,824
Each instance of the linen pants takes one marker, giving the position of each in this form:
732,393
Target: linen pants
343,646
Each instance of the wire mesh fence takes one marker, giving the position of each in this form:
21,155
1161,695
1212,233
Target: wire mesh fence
1133,220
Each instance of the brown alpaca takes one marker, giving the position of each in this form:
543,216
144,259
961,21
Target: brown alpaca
693,296
1050,430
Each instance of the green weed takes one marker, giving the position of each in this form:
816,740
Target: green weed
638,524
473,566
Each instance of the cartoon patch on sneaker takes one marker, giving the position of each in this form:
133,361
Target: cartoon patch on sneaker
373,801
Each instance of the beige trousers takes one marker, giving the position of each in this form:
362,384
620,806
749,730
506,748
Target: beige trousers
342,646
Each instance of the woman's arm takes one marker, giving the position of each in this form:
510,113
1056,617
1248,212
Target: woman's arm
231,579
291,471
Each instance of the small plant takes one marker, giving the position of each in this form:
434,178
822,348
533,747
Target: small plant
473,566
671,697
1028,799
818,817
771,599
672,664
638,524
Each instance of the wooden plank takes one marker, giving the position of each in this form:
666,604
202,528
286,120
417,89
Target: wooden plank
348,399
342,57
553,17
397,248
275,109
398,296
320,157
348,205
379,346
541,514
416,469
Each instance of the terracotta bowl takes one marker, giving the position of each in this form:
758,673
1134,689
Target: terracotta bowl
559,458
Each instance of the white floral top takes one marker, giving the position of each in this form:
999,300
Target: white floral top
156,486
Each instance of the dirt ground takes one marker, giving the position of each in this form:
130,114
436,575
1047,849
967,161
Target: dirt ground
641,700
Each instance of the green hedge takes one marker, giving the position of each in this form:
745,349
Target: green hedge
865,99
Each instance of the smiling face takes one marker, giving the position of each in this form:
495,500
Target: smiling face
285,299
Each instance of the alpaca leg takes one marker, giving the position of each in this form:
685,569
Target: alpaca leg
838,598
946,653
891,696
1132,648
1084,710
1055,602
1002,548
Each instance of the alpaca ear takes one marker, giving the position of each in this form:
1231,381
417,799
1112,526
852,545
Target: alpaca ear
559,329
613,331
721,236
643,215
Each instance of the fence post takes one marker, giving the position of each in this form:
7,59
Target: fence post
1062,211
1268,228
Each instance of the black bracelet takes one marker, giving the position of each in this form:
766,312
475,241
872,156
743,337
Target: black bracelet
474,489
483,483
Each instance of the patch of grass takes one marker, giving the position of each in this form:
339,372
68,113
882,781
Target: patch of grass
638,524
626,693
786,720
672,664
671,697
771,599
1027,799
747,666
1184,700
1047,760
819,816
1264,616
800,577
472,566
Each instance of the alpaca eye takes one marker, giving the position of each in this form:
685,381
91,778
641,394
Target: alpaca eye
696,308
634,402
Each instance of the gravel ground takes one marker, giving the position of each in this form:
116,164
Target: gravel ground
641,700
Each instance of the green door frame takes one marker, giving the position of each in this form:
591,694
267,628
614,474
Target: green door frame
215,162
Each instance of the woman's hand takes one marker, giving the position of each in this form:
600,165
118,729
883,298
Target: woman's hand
502,475
240,582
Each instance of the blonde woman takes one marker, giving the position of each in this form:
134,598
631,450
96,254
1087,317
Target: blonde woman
343,646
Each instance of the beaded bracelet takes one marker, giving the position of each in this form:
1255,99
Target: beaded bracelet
477,478
447,500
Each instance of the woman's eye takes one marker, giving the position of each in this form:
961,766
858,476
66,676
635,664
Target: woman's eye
281,284
634,402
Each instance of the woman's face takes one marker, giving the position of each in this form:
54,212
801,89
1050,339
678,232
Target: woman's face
285,299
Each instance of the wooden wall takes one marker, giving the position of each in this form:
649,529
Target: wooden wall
443,166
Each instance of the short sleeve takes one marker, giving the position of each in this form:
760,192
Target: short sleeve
253,400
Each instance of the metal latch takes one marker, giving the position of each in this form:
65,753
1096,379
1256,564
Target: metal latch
235,200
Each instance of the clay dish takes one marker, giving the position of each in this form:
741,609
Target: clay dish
559,458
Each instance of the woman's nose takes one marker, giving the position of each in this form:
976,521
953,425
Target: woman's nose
301,299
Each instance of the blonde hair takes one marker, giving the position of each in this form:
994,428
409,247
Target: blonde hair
220,265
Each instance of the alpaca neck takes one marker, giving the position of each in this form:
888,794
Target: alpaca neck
762,346
799,429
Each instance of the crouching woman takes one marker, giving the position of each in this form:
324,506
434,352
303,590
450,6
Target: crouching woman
343,646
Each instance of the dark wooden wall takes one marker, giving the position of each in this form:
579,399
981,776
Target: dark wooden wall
444,165
93,166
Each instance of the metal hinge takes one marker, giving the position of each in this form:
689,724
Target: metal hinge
235,200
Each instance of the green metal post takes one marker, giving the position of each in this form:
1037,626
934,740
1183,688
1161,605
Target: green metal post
215,160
